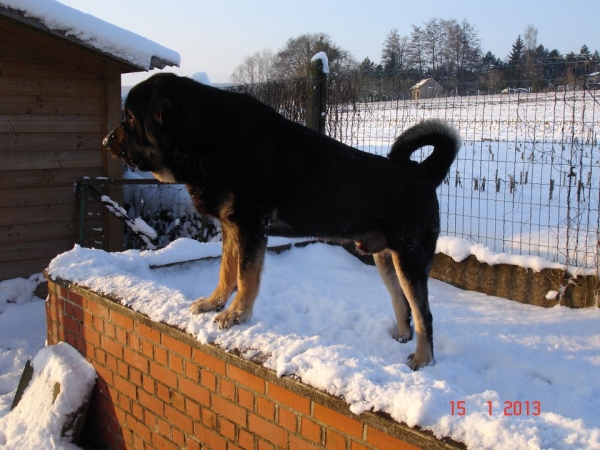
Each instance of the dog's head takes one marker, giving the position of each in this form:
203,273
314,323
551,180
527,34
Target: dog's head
139,140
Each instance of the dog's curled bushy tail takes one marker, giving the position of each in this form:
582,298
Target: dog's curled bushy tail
441,136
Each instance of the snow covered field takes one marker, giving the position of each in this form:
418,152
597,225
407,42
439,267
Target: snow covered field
534,369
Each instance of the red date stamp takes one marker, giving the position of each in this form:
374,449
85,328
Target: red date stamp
510,408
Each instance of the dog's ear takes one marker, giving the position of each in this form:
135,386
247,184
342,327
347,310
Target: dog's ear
160,107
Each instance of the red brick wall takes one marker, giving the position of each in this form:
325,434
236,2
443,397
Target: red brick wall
159,388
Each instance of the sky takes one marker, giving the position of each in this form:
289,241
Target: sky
214,37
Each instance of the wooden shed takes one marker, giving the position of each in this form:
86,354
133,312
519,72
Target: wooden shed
59,96
427,88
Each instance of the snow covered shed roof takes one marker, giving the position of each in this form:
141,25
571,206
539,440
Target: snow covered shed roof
84,29
422,83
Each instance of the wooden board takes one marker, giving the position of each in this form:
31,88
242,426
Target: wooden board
29,215
50,123
47,248
33,68
46,142
13,198
49,104
44,85
21,179
50,160
23,268
66,228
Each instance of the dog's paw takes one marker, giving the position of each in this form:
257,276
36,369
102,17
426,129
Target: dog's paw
205,304
415,363
232,316
404,336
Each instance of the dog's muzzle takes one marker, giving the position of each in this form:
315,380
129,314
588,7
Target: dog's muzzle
108,140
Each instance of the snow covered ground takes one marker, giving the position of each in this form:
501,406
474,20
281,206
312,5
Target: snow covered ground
507,375
61,382
22,333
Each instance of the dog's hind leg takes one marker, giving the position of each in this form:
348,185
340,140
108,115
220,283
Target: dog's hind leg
412,274
227,276
385,264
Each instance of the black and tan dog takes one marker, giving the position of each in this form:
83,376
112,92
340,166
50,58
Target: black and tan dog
261,174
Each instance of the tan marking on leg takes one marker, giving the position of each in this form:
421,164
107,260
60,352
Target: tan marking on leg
383,261
241,307
228,273
416,296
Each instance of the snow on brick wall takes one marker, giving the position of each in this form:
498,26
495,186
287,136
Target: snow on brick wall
159,388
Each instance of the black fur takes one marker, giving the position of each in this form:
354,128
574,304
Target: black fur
260,174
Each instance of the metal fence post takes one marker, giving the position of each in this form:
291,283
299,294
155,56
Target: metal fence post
316,104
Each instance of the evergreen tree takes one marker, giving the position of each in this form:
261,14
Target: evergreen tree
490,61
367,65
393,53
369,69
516,55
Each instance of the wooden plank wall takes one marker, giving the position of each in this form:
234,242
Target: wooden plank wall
52,119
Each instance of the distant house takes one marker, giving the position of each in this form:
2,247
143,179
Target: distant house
592,81
60,94
427,88
509,90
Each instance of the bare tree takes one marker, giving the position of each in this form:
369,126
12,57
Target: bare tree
255,69
415,50
530,37
433,37
463,49
445,48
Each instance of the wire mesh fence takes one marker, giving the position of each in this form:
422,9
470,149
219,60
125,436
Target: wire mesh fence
168,209
527,178
153,213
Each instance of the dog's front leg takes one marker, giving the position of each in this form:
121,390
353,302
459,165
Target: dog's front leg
227,276
252,247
